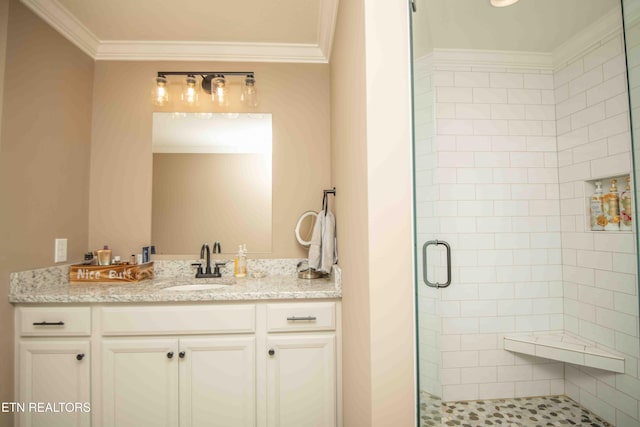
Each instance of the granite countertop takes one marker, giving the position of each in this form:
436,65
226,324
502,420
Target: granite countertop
52,286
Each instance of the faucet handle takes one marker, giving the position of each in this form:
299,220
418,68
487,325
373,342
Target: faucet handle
199,265
216,269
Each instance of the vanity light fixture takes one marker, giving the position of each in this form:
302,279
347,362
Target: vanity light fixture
215,83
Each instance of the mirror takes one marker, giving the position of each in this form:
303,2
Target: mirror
211,182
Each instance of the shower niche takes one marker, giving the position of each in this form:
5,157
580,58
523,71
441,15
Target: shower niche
609,204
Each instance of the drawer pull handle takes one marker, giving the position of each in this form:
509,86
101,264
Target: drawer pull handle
170,355
60,323
307,318
271,352
80,356
182,354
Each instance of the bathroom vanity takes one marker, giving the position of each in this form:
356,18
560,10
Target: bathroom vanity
258,352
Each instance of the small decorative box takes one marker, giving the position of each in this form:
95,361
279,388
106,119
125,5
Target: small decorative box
121,273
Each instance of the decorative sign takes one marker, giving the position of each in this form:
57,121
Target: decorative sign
123,273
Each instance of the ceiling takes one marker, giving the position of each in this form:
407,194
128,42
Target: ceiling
527,26
300,30
248,30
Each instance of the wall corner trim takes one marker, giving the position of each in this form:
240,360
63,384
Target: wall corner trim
54,14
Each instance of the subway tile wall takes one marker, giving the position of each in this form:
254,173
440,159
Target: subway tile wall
599,268
497,189
502,156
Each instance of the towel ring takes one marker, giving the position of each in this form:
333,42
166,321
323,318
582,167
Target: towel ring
299,224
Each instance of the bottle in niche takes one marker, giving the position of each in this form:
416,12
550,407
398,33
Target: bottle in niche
611,206
626,207
598,219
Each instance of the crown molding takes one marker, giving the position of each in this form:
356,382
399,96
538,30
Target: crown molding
56,15
492,59
205,51
590,38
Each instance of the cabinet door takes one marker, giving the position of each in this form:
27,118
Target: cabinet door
217,382
301,380
53,372
140,383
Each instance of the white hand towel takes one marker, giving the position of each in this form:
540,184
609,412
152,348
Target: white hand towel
316,242
322,250
328,248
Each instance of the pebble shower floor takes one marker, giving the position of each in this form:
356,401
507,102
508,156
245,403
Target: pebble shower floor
519,412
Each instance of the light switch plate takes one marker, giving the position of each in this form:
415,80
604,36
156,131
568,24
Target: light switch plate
60,254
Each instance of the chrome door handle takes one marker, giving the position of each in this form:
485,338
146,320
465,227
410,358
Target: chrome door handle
297,318
424,263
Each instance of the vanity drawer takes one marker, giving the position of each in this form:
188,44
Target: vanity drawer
168,320
54,321
303,316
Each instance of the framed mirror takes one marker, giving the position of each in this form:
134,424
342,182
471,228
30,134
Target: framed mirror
212,181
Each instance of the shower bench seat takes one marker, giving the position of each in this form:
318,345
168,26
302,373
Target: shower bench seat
565,348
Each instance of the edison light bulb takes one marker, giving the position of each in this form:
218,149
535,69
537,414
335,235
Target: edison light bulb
190,91
220,91
249,95
160,91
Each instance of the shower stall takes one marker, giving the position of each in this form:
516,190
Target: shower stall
518,112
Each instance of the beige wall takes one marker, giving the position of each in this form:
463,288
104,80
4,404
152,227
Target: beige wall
371,168
349,175
6,311
121,163
44,155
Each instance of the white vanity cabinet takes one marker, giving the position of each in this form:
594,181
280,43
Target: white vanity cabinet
202,374
53,366
186,382
219,364
302,365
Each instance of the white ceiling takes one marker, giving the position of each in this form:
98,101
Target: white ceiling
300,30
247,30
527,26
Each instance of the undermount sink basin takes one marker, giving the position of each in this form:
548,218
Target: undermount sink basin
196,287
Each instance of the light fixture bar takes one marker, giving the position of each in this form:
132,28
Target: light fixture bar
203,73
213,83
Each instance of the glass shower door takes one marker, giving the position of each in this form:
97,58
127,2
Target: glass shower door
508,146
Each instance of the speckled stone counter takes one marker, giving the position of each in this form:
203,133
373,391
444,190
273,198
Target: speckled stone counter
51,285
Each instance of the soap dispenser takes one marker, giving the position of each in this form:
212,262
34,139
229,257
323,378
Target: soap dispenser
626,207
240,269
595,206
611,208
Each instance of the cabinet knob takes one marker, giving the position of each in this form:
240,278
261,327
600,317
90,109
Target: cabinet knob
170,355
182,354
80,356
271,352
